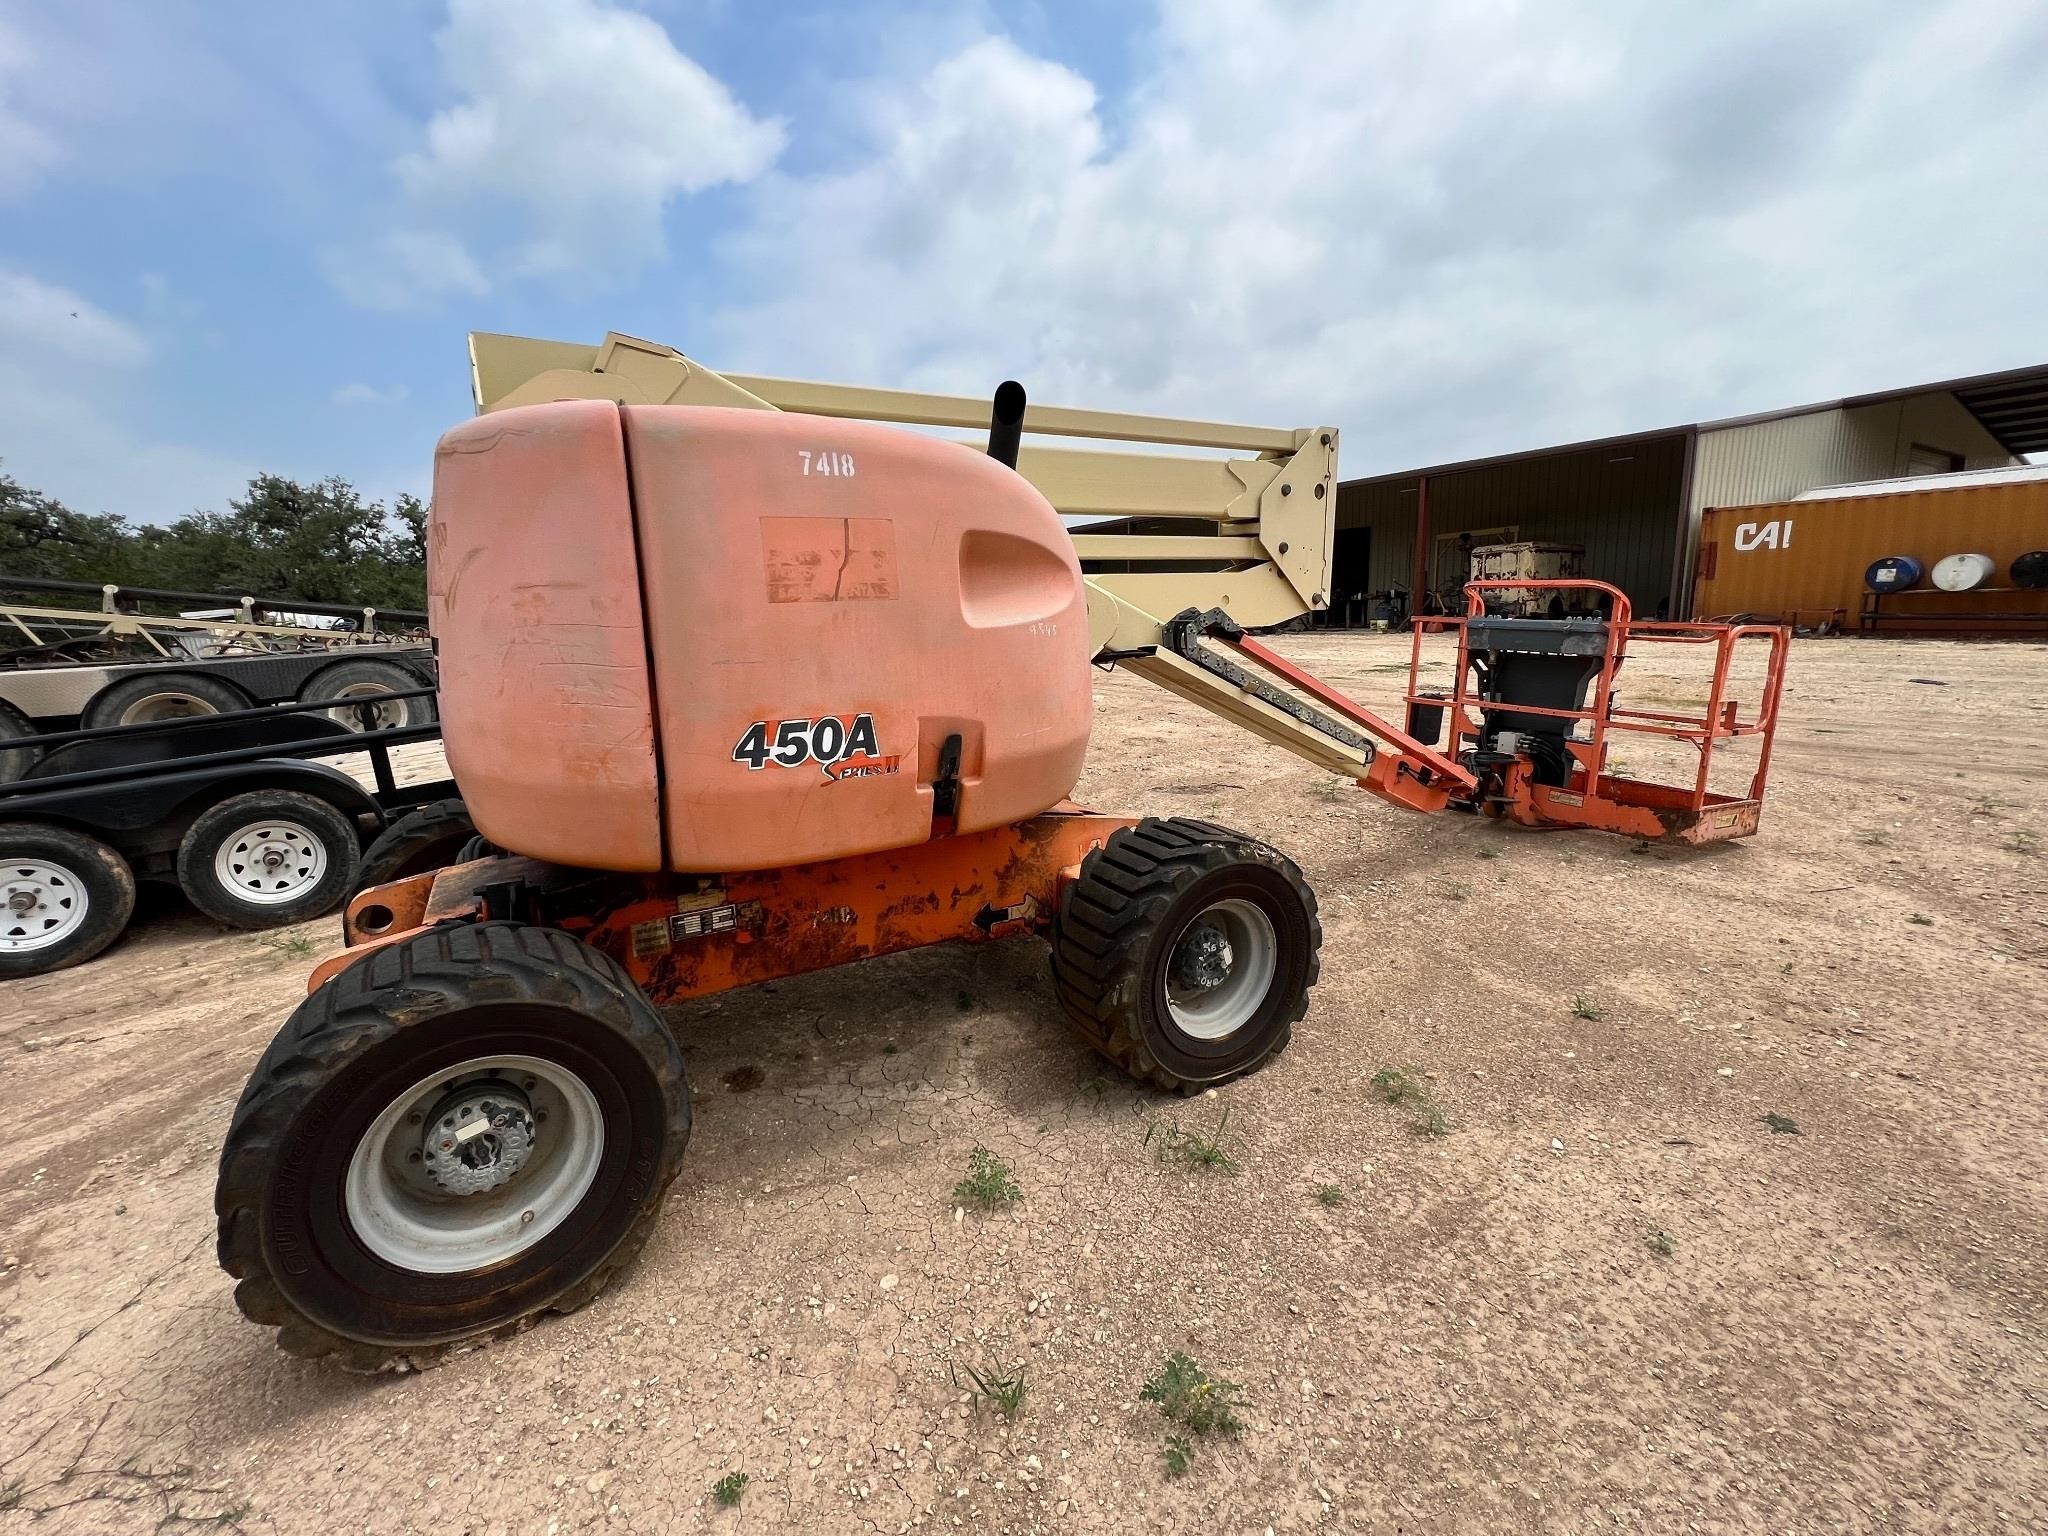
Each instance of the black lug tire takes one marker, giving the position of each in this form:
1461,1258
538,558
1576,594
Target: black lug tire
108,705
350,1049
103,876
428,837
15,727
329,682
1114,933
203,887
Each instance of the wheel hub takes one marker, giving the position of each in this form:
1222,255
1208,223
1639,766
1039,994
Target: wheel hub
271,863
478,1139
1203,959
1221,968
474,1164
45,905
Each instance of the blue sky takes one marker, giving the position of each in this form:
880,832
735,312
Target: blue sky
239,237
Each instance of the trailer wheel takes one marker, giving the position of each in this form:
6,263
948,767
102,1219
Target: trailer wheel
64,897
454,1136
155,697
1185,952
358,683
429,837
15,726
268,858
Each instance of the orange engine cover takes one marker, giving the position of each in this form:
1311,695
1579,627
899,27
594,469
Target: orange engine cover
709,639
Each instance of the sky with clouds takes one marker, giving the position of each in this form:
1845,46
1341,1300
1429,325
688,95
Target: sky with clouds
240,237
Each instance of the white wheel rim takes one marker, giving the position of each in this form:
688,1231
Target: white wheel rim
384,716
398,1211
269,863
157,707
41,904
1217,1011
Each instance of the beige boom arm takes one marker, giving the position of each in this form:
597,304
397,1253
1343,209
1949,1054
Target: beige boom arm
1263,560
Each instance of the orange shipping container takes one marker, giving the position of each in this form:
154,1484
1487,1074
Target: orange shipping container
1803,562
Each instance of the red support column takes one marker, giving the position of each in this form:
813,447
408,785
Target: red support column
1419,592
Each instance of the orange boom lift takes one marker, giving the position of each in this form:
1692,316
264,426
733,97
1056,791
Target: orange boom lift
739,683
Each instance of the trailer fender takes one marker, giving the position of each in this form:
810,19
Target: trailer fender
162,805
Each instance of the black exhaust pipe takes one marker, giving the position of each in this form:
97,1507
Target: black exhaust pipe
1006,423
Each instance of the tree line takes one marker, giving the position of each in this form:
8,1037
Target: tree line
281,538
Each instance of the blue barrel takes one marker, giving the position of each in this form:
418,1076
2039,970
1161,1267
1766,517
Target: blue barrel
1894,573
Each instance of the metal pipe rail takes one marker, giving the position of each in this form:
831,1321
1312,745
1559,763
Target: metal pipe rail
110,593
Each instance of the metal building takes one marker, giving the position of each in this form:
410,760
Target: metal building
1635,502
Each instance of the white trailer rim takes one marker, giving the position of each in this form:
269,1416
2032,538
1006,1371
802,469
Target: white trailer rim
41,905
155,708
383,716
270,863
398,1212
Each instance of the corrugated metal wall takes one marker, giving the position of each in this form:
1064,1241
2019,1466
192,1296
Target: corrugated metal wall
1621,502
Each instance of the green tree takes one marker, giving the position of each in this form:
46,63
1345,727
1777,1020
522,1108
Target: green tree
322,542
40,536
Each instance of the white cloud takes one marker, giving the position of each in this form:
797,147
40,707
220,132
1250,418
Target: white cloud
369,394
578,124
403,267
27,151
68,374
1450,229
42,323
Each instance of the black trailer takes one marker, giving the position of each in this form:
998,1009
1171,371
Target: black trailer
237,809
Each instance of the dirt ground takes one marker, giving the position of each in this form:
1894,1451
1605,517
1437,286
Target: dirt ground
1610,1297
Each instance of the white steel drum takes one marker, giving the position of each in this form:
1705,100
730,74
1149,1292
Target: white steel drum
1963,573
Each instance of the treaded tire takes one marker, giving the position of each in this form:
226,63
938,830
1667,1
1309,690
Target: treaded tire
406,1011
102,876
132,695
16,729
377,675
1115,932
429,837
203,886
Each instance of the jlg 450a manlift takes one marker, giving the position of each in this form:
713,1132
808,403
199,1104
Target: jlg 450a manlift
745,684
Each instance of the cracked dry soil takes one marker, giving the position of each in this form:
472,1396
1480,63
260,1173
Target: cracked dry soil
1612,1297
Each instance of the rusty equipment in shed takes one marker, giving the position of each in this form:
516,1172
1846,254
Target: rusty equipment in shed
746,685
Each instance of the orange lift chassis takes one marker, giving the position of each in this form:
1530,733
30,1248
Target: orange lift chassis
739,683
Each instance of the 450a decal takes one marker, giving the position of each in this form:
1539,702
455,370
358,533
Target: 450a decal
843,746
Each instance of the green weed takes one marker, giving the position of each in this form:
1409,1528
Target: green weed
1000,1386
1662,1243
1193,1149
1585,1008
1782,1124
1179,1454
1331,1195
729,1489
1190,1397
1404,1086
989,1182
